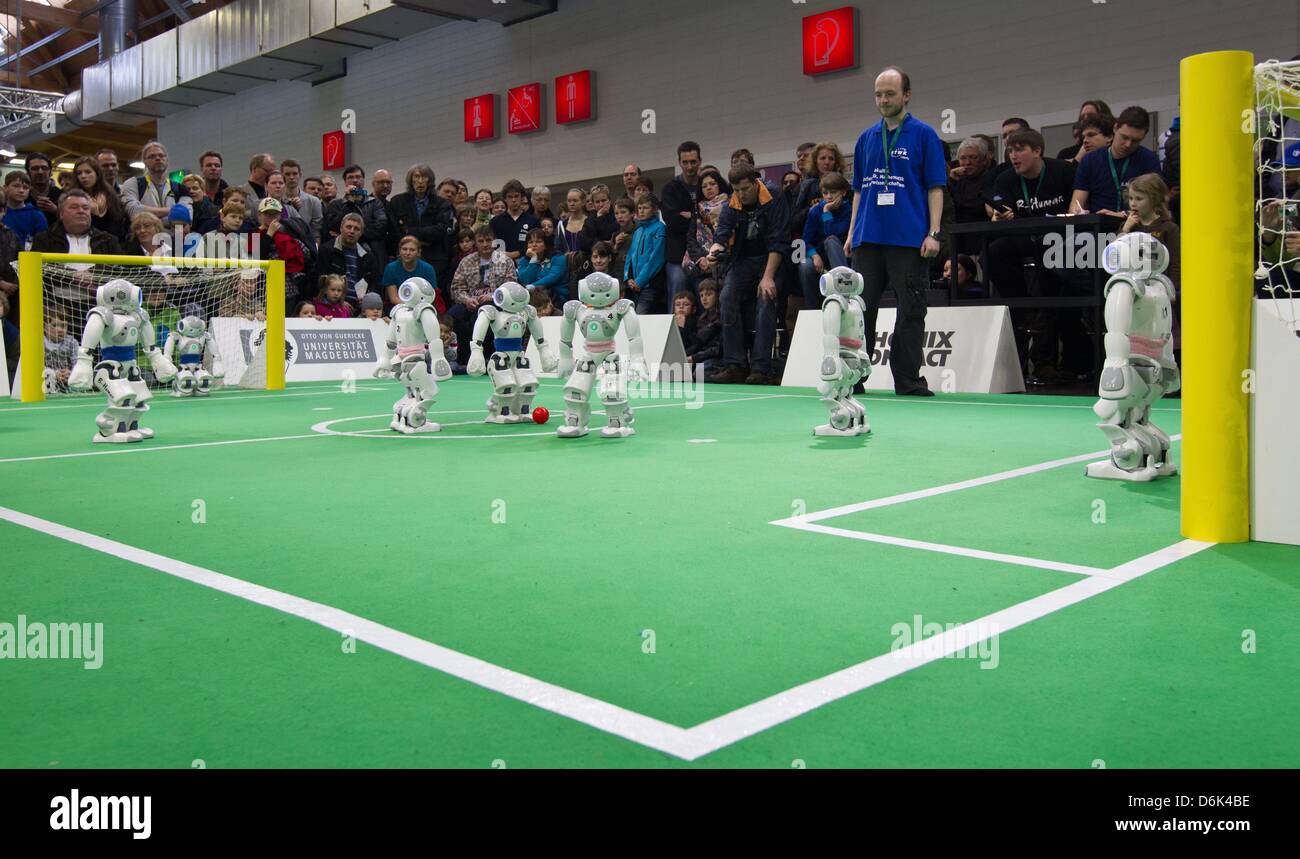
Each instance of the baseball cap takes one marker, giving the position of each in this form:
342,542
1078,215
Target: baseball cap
179,215
269,204
372,301
1290,157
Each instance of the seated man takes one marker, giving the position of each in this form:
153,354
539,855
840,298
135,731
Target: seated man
1102,174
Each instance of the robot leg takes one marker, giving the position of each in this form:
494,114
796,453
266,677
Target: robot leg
142,397
501,403
1167,382
184,383
202,382
404,370
1131,446
613,396
115,421
526,382
847,418
423,390
860,374
577,395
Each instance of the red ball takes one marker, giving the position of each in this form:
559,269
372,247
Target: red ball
541,415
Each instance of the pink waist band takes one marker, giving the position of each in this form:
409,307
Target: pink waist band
851,343
1146,346
403,351
600,345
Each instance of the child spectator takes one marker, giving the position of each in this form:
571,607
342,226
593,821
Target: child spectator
540,299
707,348
165,318
247,302
407,265
544,268
450,346
625,217
548,229
643,268
332,303
21,215
684,317
60,352
602,259
465,217
372,307
464,247
304,310
824,233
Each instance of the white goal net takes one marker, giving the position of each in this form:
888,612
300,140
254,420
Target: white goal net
1277,208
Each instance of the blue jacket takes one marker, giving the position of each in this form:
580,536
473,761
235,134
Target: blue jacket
821,225
26,222
553,274
645,257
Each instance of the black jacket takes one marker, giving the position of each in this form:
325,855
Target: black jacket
55,241
434,229
707,344
599,228
372,211
370,267
675,200
771,214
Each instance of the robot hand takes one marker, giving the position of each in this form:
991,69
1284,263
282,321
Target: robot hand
833,368
382,372
566,367
163,368
477,366
637,371
218,371
82,375
549,361
441,368
1121,382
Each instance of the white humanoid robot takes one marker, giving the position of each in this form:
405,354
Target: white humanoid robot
413,327
188,348
845,360
1140,366
114,325
598,314
514,384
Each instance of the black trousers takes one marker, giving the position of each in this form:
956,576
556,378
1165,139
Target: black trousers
906,272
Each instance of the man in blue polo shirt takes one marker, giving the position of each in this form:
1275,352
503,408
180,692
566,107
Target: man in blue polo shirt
900,168
1103,174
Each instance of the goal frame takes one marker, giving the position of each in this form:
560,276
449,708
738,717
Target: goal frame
31,304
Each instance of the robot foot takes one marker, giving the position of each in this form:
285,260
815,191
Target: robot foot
427,426
1107,470
617,432
176,392
851,430
116,438
144,432
567,431
499,419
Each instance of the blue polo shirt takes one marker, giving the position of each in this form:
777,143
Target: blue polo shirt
916,164
1094,175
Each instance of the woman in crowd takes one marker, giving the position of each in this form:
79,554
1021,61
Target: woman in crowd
106,210
568,236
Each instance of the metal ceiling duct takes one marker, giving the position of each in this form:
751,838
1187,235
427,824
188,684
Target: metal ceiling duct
115,21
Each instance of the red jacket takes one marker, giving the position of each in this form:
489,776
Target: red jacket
286,248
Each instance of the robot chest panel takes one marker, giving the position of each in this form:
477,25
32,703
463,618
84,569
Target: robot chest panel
191,346
852,325
599,325
126,330
509,325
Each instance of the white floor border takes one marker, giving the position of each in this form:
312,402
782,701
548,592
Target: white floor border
685,743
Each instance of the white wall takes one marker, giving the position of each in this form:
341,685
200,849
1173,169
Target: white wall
728,74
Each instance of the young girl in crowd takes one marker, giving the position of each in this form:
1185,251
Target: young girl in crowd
684,316
330,303
304,310
464,248
544,268
1149,213
569,235
450,345
707,346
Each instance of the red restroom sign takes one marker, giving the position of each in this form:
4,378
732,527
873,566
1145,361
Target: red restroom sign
480,118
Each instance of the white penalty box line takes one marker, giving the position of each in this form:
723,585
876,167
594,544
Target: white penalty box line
809,521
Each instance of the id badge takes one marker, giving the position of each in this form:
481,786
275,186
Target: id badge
885,199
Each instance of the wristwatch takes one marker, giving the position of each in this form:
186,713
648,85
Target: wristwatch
935,235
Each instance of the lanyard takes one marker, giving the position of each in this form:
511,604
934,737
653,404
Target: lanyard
1118,177
1024,188
888,145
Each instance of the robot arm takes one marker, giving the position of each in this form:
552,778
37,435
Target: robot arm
83,373
1119,379
212,354
636,366
162,366
388,352
549,362
169,348
433,334
832,364
567,327
477,365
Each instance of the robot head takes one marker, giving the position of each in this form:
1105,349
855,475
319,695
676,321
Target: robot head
118,294
192,326
841,280
1135,253
415,291
511,297
598,289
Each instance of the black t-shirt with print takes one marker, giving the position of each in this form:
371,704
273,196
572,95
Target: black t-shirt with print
1051,197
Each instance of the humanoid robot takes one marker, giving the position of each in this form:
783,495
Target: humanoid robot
188,348
598,314
845,360
114,325
1140,366
514,384
413,327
